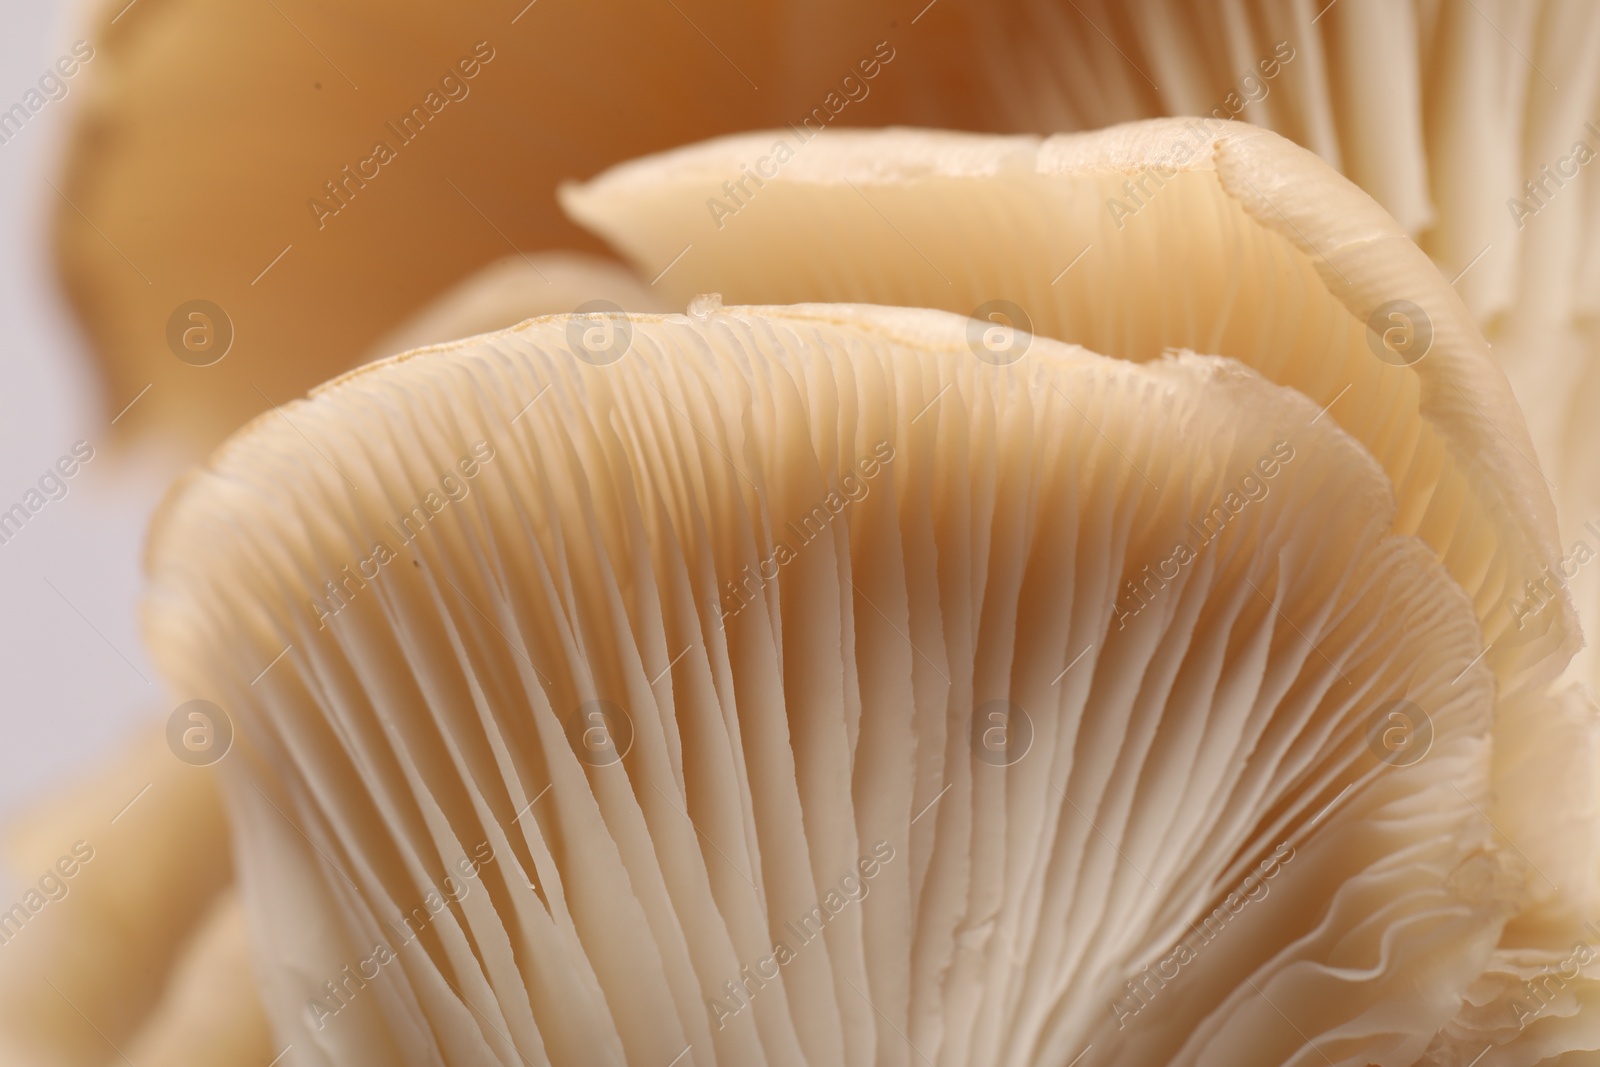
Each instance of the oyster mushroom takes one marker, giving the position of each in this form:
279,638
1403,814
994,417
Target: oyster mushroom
113,911
332,173
1471,124
710,657
210,1009
1131,241
1543,733
1374,129
1467,124
1232,241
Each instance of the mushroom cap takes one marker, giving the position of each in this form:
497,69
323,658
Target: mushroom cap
1213,236
210,1010
693,642
207,134
108,912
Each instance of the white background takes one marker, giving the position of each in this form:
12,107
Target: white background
68,698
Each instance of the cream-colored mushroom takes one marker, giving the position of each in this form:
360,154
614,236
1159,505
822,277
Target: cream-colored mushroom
1444,178
319,174
1220,238
111,909
682,637
1131,241
210,1012
1472,124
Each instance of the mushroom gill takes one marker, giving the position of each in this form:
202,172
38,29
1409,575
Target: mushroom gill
1225,239
1174,233
805,685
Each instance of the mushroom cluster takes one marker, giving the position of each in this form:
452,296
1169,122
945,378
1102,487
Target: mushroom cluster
1046,601
1104,649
